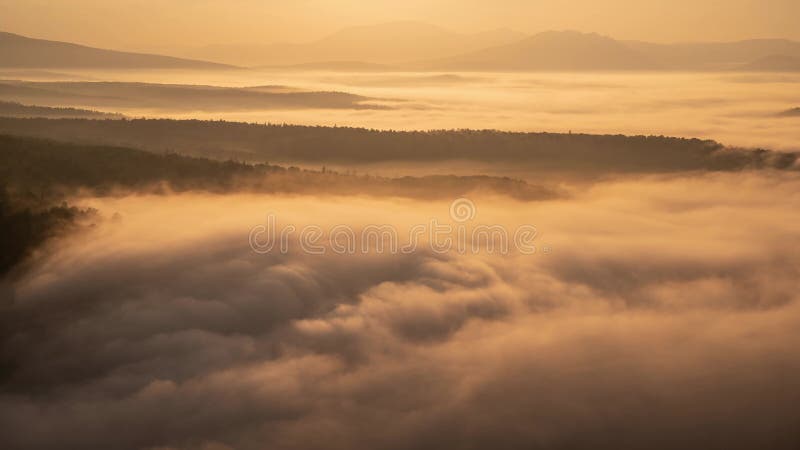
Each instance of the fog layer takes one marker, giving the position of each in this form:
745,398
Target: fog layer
660,312
738,109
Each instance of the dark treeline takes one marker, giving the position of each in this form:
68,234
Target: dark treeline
335,145
14,109
23,228
39,176
176,97
45,171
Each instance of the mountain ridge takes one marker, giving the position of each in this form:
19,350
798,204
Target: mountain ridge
19,51
404,46
715,55
551,50
386,43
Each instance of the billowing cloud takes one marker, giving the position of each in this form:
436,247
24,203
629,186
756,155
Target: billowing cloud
664,313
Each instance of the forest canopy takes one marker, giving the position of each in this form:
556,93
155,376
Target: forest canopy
294,144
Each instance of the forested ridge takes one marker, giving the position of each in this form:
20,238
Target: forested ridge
42,182
14,109
41,169
576,153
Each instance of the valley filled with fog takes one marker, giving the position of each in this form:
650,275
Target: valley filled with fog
666,294
735,108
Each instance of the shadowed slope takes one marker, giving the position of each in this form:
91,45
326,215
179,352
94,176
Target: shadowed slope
24,52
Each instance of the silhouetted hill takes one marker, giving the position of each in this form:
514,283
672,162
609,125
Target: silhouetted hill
39,175
774,63
714,55
541,153
385,43
398,44
420,46
23,52
13,109
41,75
552,50
174,96
42,168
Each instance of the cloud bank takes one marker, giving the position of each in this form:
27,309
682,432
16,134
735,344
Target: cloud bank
666,316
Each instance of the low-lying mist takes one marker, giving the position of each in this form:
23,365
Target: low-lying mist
738,109
657,312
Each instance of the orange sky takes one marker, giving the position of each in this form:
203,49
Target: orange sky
152,24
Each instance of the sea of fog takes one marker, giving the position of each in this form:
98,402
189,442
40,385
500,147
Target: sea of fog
652,304
739,109
662,303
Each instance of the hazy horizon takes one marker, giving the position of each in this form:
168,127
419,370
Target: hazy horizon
736,109
185,24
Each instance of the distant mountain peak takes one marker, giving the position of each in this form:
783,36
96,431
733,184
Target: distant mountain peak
750,54
552,50
386,43
30,53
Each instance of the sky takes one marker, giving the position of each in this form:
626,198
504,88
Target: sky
152,24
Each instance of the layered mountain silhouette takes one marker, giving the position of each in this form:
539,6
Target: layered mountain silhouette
715,55
418,46
552,50
575,51
387,43
23,52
